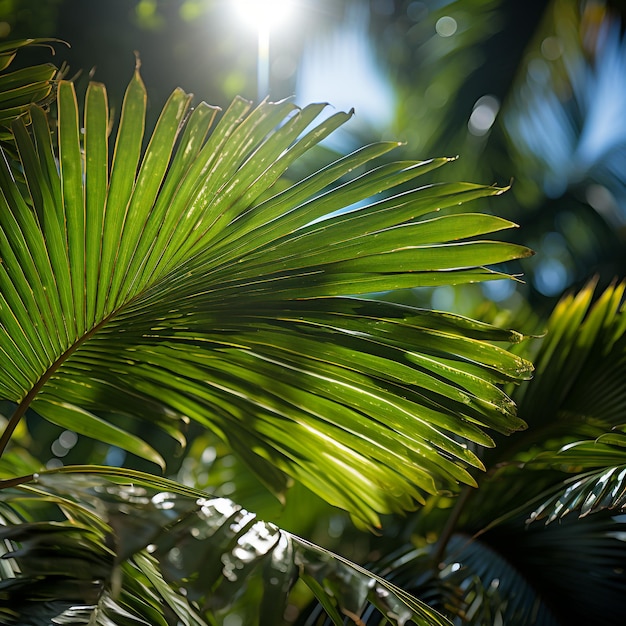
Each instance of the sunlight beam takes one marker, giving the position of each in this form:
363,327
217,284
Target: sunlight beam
264,15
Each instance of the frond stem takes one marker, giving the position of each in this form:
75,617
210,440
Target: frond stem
16,482
36,388
451,523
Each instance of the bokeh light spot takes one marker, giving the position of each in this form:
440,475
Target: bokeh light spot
483,116
446,26
68,439
551,48
498,290
551,277
190,11
115,456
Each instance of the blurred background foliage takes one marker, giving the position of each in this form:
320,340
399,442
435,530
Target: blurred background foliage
532,93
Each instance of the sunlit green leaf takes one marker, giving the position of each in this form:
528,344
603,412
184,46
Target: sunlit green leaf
176,276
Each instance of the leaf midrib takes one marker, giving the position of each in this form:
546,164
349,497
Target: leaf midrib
45,377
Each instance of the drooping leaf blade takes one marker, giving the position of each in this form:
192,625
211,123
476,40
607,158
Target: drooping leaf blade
219,550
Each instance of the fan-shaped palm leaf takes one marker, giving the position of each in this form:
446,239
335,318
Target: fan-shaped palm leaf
580,363
575,410
490,564
587,491
574,407
173,282
472,584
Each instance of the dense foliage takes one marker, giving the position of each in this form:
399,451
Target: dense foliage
183,281
185,290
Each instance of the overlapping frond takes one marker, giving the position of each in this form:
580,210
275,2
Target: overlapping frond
512,574
579,398
471,584
580,363
174,282
559,574
153,552
20,89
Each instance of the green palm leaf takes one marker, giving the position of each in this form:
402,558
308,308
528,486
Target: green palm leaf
599,476
176,277
20,89
580,363
491,588
470,583
493,561
514,574
131,553
557,561
578,400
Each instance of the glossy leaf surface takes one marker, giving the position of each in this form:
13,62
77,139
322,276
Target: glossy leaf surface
130,553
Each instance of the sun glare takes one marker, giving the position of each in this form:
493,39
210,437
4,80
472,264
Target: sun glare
264,13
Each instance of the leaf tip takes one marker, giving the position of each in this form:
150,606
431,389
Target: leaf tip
137,61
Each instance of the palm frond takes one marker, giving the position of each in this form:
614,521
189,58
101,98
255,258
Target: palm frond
580,362
577,401
472,584
181,278
558,574
514,574
131,553
575,566
568,467
599,480
20,89
491,588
